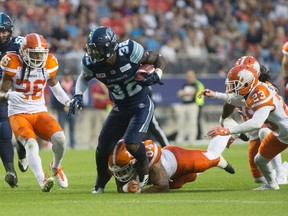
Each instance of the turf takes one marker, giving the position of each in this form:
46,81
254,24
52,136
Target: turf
214,192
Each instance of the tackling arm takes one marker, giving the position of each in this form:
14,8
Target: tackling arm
159,179
254,123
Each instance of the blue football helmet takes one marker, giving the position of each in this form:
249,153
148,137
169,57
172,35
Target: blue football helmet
101,44
6,24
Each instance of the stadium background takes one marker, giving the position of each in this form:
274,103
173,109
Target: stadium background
207,36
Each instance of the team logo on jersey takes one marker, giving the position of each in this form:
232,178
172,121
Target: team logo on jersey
100,75
116,109
141,105
125,67
113,72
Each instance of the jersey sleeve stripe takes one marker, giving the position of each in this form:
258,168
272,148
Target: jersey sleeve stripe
10,74
8,69
137,53
51,70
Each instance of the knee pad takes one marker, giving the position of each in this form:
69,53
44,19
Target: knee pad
31,144
58,138
260,160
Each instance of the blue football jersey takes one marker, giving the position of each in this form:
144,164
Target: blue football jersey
123,88
11,46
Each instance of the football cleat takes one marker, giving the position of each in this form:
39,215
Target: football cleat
260,180
47,184
282,179
229,169
97,190
23,164
11,179
271,186
60,177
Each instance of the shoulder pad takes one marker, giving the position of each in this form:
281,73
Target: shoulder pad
153,152
86,61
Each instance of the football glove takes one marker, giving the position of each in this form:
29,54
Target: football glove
76,101
150,79
15,97
222,131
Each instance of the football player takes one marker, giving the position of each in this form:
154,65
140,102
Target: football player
24,78
115,64
243,88
170,167
256,136
7,44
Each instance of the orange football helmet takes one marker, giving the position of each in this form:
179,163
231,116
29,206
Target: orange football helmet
285,48
121,163
34,50
241,79
249,61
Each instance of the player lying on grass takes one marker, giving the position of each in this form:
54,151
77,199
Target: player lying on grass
169,168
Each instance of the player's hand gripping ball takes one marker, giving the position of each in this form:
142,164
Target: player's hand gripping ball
143,71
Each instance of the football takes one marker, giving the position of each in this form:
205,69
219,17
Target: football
145,68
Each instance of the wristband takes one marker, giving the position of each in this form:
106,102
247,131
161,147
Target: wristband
159,72
125,188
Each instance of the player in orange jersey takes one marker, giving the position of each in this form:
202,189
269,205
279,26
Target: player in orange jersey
256,136
169,168
25,76
244,88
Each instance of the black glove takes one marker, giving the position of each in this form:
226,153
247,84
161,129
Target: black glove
76,101
150,79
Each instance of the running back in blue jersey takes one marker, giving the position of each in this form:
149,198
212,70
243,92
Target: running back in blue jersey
123,88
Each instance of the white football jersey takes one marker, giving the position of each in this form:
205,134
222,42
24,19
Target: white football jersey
32,84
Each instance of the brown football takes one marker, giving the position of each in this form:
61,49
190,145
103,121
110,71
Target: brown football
146,68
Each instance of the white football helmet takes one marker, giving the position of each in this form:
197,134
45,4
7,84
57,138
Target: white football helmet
121,163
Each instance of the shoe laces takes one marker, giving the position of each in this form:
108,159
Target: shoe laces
59,172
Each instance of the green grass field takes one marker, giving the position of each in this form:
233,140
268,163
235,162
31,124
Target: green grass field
214,192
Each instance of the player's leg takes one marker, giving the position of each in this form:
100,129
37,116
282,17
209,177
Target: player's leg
24,132
22,160
112,131
276,161
49,129
7,153
269,148
134,135
252,151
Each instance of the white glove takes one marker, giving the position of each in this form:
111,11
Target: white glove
221,121
15,97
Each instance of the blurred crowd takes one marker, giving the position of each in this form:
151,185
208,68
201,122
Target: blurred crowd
227,29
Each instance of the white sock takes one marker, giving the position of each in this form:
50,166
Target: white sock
277,164
58,147
34,160
265,167
218,144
